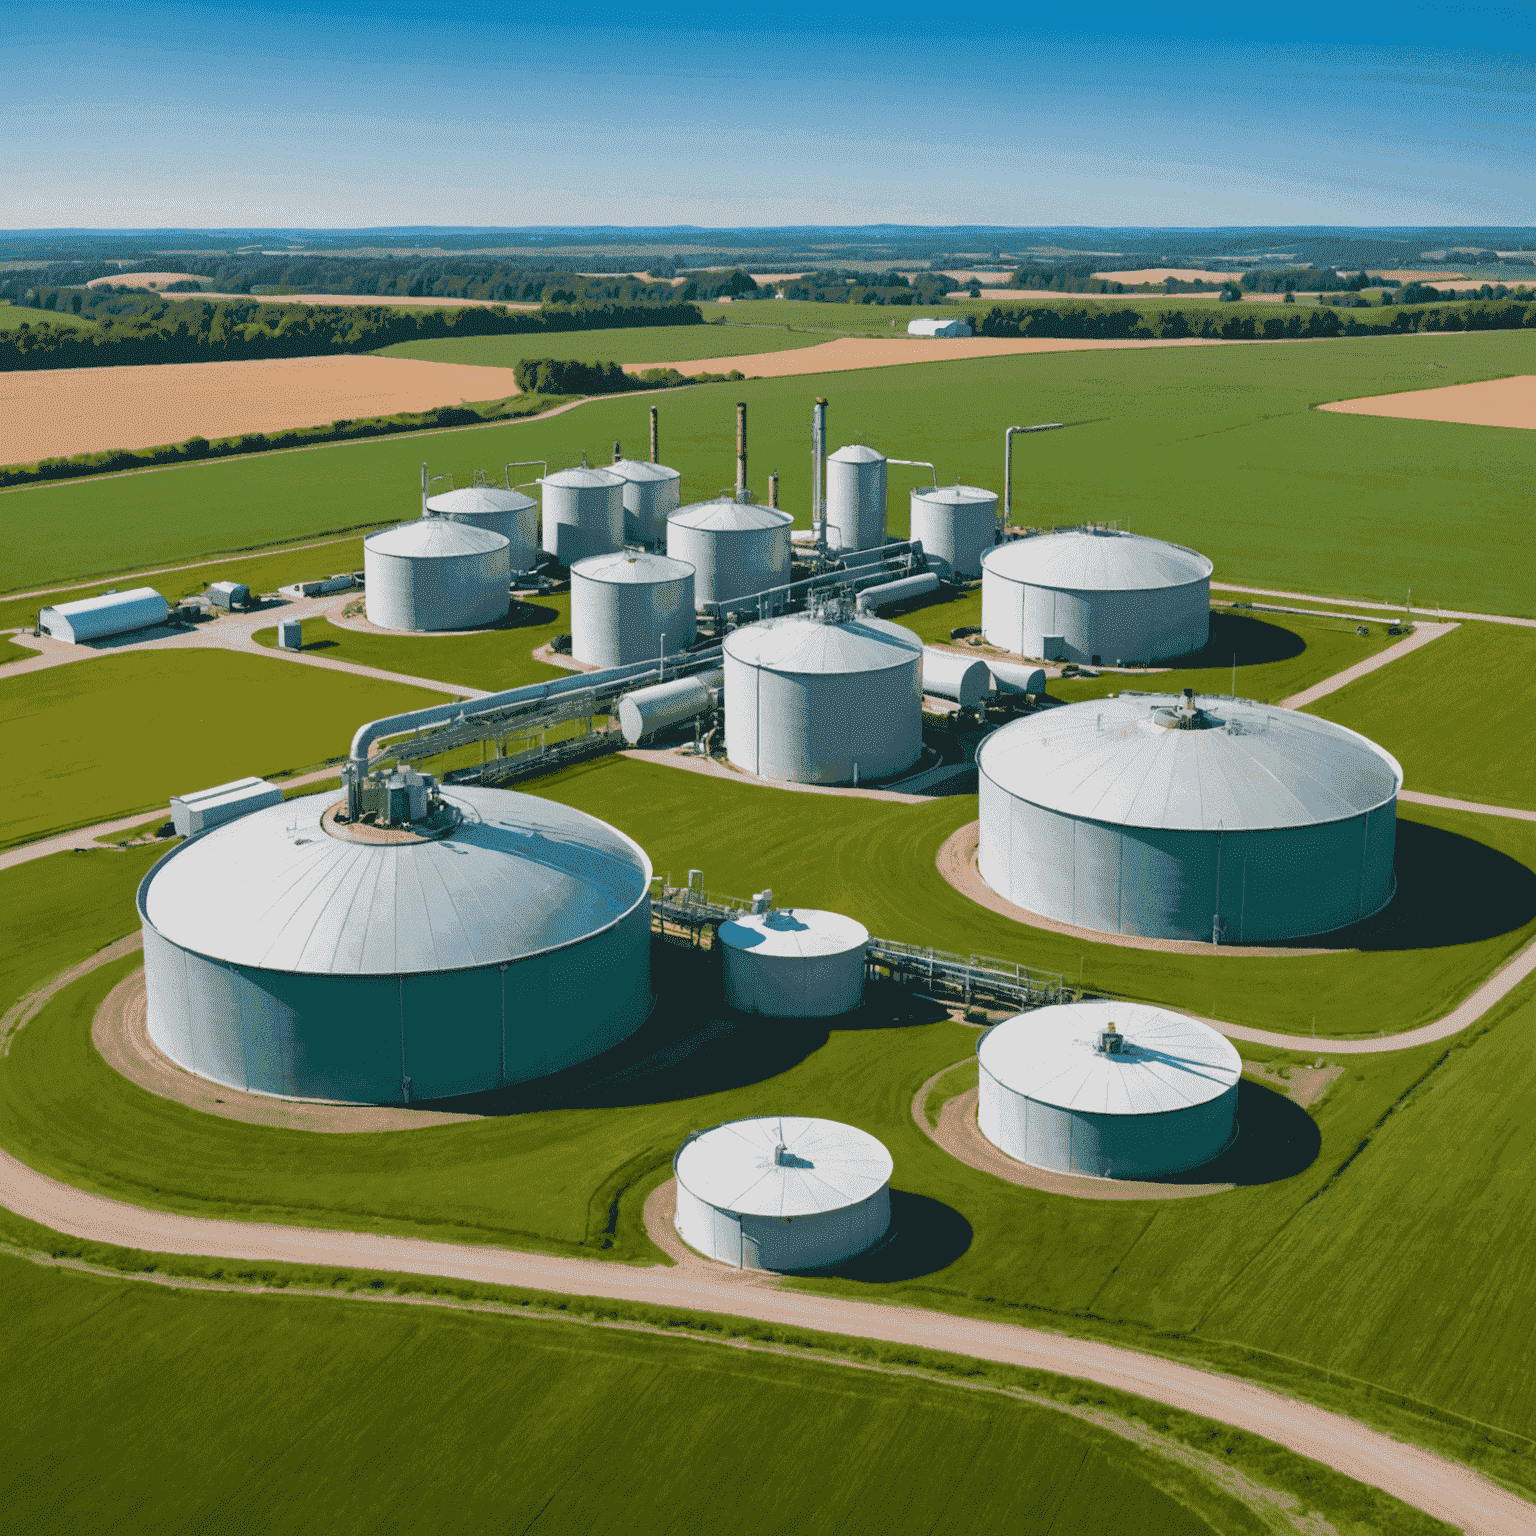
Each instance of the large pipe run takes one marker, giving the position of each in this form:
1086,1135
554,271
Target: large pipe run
902,590
648,710
1047,426
741,450
919,464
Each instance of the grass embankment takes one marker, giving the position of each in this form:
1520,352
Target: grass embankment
1171,441
633,345
108,736
14,316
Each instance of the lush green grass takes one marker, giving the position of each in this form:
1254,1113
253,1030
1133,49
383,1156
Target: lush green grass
1457,715
14,316
10,651
1211,446
115,734
654,344
498,658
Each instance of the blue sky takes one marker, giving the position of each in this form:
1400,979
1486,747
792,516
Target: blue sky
515,114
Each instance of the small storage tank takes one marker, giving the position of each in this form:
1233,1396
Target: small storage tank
290,634
793,963
822,698
510,513
855,513
1109,1090
651,495
583,513
630,606
1091,594
956,524
648,710
436,574
736,548
951,675
782,1192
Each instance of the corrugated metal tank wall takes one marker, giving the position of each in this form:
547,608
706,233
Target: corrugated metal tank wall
583,514
856,487
516,520
434,592
780,1243
651,495
1146,625
956,524
625,609
736,549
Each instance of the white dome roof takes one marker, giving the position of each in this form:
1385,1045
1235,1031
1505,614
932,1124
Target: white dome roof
632,568
795,932
857,453
1253,766
1096,560
518,876
727,516
642,469
802,643
582,479
479,501
828,1166
1169,1062
436,538
954,495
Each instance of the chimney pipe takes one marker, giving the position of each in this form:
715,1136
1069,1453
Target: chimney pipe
818,470
741,450
618,452
773,489
655,439
423,490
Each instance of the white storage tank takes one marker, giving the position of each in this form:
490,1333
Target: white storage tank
437,574
956,524
583,513
630,606
953,675
1158,816
820,698
793,963
99,618
736,548
651,496
855,511
507,512
648,710
1095,594
782,1192
497,938
1108,1090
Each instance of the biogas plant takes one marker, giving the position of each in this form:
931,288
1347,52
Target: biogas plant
415,937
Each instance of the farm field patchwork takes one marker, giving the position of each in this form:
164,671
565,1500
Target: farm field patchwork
1491,403
657,343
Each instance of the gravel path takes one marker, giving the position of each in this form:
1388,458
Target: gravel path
1357,602
1423,633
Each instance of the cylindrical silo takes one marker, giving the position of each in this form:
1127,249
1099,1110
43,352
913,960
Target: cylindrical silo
953,675
793,963
736,548
630,606
651,495
1094,594
782,1192
648,710
819,698
855,498
437,574
583,513
509,513
956,524
1152,815
1108,1090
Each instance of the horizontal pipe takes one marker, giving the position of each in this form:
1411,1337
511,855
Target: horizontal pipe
919,464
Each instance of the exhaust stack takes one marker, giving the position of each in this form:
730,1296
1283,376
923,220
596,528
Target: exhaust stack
741,450
655,438
818,471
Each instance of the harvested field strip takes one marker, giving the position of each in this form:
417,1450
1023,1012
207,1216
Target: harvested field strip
655,342
1488,403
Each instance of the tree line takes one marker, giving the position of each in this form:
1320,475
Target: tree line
567,376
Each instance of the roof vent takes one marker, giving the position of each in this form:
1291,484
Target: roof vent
1111,1041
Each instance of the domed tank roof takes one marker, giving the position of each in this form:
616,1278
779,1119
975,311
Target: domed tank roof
794,932
639,470
857,453
1167,1061
825,1166
1142,760
479,501
436,538
277,889
632,568
804,643
954,495
726,516
1096,560
581,478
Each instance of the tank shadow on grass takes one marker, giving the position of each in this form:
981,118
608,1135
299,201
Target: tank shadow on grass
925,1236
1276,1139
1255,643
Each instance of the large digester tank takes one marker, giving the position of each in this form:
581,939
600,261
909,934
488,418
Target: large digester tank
488,938
651,494
583,513
507,512
793,963
855,514
736,548
1095,594
630,606
782,1192
821,698
956,524
437,574
1110,1090
1153,815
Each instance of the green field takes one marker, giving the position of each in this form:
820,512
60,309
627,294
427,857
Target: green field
104,737
1172,441
14,316
661,344
1457,715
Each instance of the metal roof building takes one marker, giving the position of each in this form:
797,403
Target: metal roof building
1095,594
630,606
956,524
583,513
204,809
101,617
1110,1090
292,954
510,513
651,495
736,548
782,1192
437,574
817,698
855,511
1157,816
793,963
931,327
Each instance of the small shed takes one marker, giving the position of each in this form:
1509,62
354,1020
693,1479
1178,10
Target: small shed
229,594
205,808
